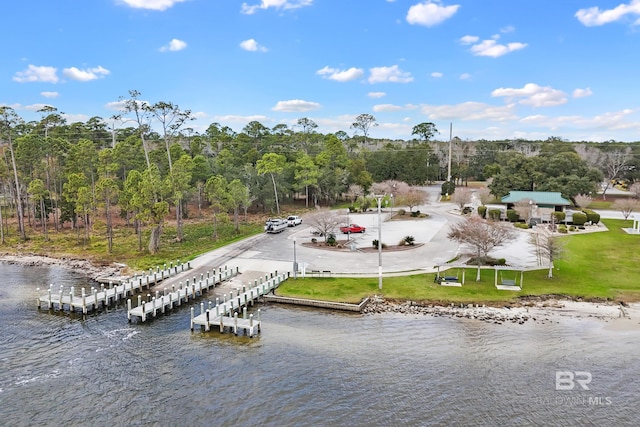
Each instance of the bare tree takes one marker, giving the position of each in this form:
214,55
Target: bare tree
583,200
353,192
524,208
484,195
462,196
635,190
412,198
482,235
626,206
390,187
611,164
549,247
324,221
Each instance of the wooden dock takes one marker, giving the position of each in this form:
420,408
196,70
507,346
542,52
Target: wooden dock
109,294
225,314
176,296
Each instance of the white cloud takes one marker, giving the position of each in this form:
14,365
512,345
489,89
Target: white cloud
120,104
581,93
252,46
241,120
85,75
436,75
507,29
493,49
341,75
173,46
37,74
391,74
74,118
276,4
615,120
50,94
36,107
391,107
470,111
376,94
468,39
384,108
593,16
465,76
534,95
296,105
151,4
430,13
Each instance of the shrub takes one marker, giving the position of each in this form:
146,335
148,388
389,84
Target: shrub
482,211
494,214
415,214
522,225
592,216
467,210
579,218
562,229
512,215
559,216
352,208
448,187
314,240
331,239
375,243
572,228
408,240
401,212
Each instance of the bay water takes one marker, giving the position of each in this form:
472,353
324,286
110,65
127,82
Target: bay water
307,367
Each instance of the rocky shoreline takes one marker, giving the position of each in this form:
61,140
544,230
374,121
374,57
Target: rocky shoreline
538,312
75,264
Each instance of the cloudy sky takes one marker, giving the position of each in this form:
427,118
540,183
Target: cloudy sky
493,69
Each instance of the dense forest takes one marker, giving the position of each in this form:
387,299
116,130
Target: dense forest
146,166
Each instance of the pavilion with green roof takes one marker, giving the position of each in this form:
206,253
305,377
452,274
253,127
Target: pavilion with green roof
543,203
543,199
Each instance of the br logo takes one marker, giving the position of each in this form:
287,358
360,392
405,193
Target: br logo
566,380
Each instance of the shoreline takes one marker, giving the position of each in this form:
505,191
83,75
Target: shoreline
618,317
538,309
91,270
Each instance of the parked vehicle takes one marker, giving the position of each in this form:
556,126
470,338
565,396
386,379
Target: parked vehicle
294,220
352,228
275,225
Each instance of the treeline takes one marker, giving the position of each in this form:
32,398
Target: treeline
54,173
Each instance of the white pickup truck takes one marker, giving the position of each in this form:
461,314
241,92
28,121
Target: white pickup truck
275,225
294,220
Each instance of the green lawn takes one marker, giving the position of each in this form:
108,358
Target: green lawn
595,266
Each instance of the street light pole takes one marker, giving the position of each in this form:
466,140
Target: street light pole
295,261
379,199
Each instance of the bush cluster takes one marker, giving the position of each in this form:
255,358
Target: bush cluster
482,211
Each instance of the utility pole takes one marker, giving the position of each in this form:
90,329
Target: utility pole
450,139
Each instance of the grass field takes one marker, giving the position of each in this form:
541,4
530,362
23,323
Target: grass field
595,266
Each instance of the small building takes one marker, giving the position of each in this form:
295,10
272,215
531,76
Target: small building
543,203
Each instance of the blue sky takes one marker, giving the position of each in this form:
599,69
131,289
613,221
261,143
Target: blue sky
495,69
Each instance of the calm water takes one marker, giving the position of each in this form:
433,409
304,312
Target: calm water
307,367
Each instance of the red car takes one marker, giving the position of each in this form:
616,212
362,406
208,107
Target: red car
352,228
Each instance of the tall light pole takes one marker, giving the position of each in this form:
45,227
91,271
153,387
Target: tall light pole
379,199
295,260
348,226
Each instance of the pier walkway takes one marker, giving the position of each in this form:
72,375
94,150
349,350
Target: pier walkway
176,296
107,295
225,314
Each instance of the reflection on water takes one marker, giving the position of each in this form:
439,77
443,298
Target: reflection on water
307,367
